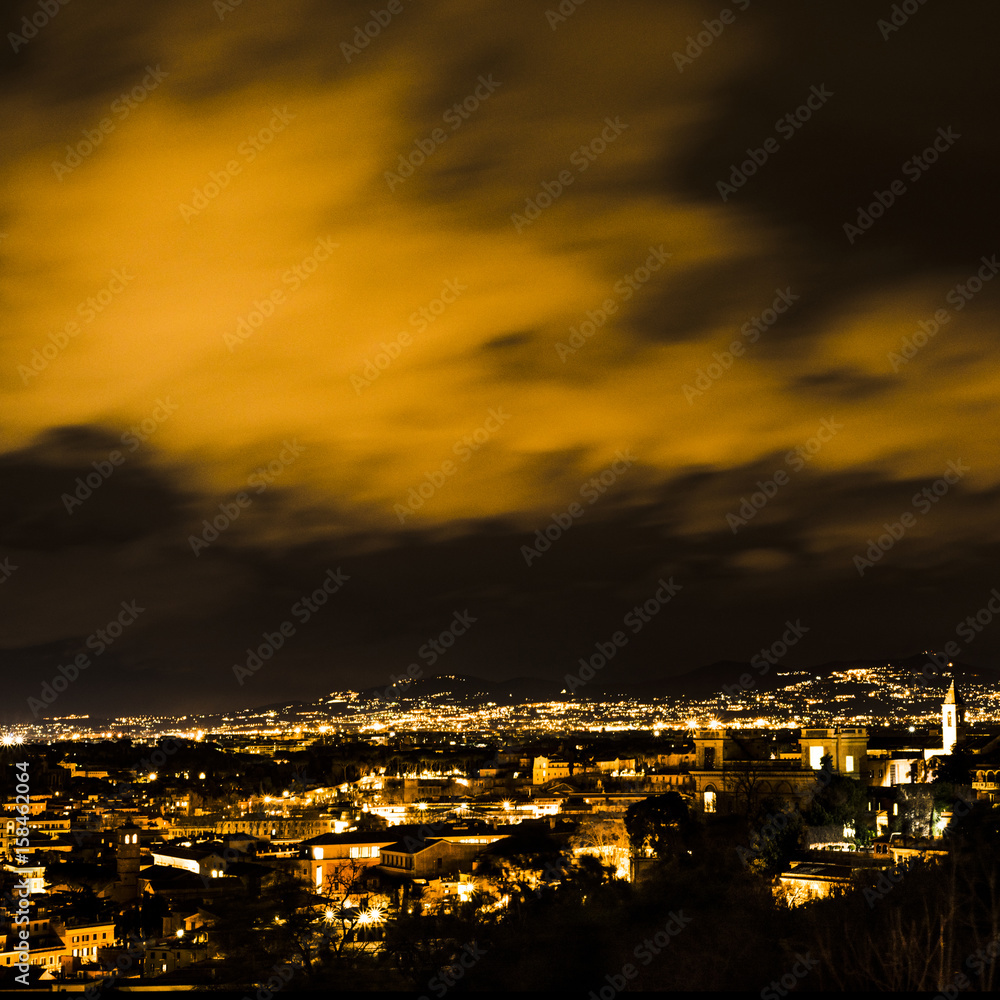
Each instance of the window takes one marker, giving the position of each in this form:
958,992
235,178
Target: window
815,757
850,763
709,801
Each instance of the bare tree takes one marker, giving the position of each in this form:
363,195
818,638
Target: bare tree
743,780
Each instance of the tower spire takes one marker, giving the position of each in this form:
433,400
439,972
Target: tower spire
952,717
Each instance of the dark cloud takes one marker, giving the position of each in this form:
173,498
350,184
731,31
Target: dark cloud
843,384
81,486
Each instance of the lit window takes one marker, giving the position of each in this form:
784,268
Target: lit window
815,757
850,763
709,801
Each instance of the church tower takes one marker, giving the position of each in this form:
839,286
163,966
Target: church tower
127,858
952,718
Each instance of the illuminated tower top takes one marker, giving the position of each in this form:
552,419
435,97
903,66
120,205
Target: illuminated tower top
952,716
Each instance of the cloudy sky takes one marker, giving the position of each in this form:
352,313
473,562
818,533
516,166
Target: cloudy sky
400,305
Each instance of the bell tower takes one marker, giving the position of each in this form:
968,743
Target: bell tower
127,860
952,718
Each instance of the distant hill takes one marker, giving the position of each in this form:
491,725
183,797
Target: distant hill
466,689
711,679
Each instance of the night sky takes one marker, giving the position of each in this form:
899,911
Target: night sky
388,310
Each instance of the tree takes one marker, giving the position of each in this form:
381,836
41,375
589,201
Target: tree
661,824
840,801
605,838
954,768
742,780
284,923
